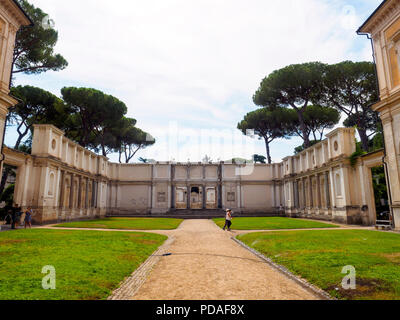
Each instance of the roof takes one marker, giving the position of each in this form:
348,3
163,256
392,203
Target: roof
23,11
370,17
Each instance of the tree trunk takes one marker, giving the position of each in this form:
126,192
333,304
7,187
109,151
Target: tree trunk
303,128
21,136
268,151
104,151
364,139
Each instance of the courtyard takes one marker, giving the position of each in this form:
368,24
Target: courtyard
93,260
128,165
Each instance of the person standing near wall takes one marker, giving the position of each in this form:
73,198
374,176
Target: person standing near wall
228,220
15,211
28,218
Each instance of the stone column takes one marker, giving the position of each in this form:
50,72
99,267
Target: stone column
173,195
93,194
188,196
304,193
318,189
79,193
219,193
87,194
332,188
96,194
71,192
154,196
310,192
327,193
62,191
204,197
296,194
274,195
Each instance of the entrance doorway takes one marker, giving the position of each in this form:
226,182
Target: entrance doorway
196,198
380,193
7,189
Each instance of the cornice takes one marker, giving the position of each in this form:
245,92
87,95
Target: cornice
388,102
16,13
381,17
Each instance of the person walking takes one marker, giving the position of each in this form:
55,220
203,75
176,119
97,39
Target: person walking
228,220
28,218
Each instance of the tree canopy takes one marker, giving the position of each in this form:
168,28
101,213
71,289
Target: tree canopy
95,115
90,117
269,124
35,106
317,119
259,158
351,87
34,45
296,86
131,140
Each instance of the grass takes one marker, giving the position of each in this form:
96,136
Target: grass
272,223
126,224
89,264
319,257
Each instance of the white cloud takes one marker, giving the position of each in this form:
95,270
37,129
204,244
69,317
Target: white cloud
191,61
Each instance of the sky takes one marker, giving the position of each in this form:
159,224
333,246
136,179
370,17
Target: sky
187,69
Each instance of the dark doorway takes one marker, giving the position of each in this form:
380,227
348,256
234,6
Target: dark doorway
7,189
380,193
195,190
196,198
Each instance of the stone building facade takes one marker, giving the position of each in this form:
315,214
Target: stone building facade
321,182
62,181
12,17
383,28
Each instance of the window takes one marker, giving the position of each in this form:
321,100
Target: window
231,196
397,51
211,195
161,197
336,146
180,195
51,183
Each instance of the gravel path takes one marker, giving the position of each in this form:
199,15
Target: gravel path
207,265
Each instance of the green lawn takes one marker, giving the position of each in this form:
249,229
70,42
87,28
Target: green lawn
272,223
319,257
126,224
89,264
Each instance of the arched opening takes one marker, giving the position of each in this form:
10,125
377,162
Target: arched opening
196,201
51,184
7,197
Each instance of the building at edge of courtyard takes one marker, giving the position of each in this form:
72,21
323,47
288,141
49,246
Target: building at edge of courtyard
63,181
383,28
12,17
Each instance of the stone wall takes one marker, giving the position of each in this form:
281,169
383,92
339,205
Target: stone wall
62,181
320,182
383,27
